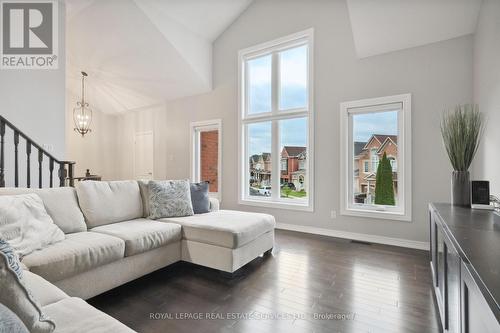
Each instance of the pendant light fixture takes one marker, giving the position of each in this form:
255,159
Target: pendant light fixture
82,114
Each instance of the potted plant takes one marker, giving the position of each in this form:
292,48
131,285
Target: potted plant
461,130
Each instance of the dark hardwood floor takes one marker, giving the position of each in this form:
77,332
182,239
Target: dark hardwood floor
312,283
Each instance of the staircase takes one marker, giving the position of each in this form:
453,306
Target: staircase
64,168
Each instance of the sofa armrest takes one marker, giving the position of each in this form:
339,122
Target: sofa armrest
214,204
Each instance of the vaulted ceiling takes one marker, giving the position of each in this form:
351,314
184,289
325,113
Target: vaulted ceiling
381,26
140,53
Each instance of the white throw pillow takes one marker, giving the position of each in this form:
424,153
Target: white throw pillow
25,224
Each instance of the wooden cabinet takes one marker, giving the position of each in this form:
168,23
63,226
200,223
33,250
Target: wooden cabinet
462,306
452,296
445,266
477,316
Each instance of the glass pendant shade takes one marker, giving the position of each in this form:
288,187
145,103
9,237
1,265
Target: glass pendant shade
82,113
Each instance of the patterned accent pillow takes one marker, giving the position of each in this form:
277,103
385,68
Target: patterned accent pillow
12,258
15,295
169,198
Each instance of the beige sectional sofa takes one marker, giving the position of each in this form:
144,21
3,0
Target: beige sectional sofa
109,241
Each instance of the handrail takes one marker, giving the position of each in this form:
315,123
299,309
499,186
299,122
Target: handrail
63,174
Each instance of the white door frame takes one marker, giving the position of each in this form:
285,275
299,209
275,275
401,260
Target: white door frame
206,125
153,150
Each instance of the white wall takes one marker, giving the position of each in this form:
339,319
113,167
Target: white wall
151,119
97,150
437,75
487,91
34,101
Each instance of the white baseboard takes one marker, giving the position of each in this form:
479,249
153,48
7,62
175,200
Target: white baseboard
355,236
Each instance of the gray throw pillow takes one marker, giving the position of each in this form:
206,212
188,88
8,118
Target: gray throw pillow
199,198
169,198
143,187
15,295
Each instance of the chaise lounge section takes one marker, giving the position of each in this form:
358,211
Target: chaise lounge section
225,239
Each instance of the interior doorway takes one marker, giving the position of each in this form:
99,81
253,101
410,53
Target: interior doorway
144,155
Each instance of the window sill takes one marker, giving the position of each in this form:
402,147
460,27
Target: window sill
305,207
385,215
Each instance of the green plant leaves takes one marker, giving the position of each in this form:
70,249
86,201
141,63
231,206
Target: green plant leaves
462,130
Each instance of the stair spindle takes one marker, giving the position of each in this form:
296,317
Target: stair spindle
40,161
70,175
28,164
2,146
16,158
51,170
62,174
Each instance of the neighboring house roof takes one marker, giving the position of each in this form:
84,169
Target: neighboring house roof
303,155
381,138
386,142
373,176
358,147
293,151
256,157
370,176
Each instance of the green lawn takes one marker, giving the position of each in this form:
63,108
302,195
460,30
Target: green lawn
294,194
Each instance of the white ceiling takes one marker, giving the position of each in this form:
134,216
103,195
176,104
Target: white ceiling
206,18
381,26
140,53
143,52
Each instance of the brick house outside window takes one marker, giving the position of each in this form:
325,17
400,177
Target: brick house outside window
366,158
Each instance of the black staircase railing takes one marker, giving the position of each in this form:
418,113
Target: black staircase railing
64,173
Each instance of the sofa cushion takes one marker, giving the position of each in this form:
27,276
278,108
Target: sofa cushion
60,202
226,228
16,296
25,223
78,253
214,204
109,202
74,315
42,290
142,235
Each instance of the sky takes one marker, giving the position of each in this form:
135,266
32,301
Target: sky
293,81
293,94
364,125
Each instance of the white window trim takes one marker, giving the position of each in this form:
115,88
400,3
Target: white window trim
206,125
279,44
404,168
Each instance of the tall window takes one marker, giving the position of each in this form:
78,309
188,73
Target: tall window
276,123
382,126
374,157
206,154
